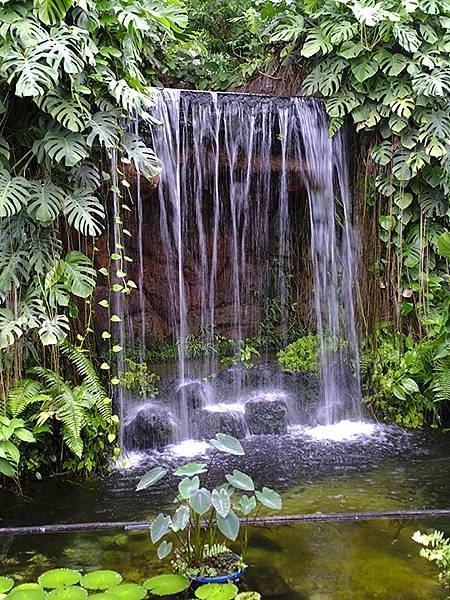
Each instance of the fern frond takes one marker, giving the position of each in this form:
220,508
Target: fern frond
21,396
80,360
441,383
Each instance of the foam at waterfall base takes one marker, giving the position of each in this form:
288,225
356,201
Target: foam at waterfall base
342,431
188,448
226,407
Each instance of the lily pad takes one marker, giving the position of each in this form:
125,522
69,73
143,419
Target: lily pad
217,591
101,580
58,577
166,585
128,591
6,583
70,592
27,586
27,594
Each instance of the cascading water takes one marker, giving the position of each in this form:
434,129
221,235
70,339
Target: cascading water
232,166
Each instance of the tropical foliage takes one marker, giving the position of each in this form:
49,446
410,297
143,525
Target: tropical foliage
72,76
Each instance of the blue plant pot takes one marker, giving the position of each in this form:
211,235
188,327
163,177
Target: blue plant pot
222,578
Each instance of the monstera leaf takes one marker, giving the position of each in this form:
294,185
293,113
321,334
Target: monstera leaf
84,211
14,193
52,11
45,201
71,113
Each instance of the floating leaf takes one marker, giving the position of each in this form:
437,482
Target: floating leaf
190,469
6,583
270,498
217,591
71,592
150,478
241,481
227,443
101,580
128,591
27,594
59,577
165,585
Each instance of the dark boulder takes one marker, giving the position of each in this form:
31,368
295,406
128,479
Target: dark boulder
266,417
193,394
152,427
207,423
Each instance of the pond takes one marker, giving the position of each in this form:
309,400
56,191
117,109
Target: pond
341,468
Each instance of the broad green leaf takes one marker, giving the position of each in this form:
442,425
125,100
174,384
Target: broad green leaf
164,549
32,76
190,469
160,527
187,487
84,211
316,42
364,67
229,525
128,591
221,501
54,331
241,481
52,11
79,273
6,583
216,591
59,577
104,127
166,585
269,498
45,201
101,579
71,592
200,501
61,146
14,194
7,468
27,594
70,113
151,477
227,443
24,434
143,157
443,245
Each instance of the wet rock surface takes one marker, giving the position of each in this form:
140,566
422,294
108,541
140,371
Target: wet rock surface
152,427
208,423
266,417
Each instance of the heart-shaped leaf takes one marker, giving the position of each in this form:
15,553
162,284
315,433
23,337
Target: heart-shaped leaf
6,583
160,527
187,487
241,481
229,525
164,549
227,443
269,498
180,519
200,501
150,478
221,501
190,469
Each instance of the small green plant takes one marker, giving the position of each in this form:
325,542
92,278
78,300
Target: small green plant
69,584
436,548
13,433
204,520
301,355
137,378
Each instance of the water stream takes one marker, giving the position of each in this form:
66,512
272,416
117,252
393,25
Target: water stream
233,164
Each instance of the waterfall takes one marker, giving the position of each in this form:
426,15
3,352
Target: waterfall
233,168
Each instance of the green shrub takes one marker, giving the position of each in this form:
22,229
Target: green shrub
301,355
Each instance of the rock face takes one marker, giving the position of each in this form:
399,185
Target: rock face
152,427
193,394
207,423
266,417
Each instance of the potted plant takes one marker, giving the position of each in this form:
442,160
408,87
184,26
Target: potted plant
206,520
